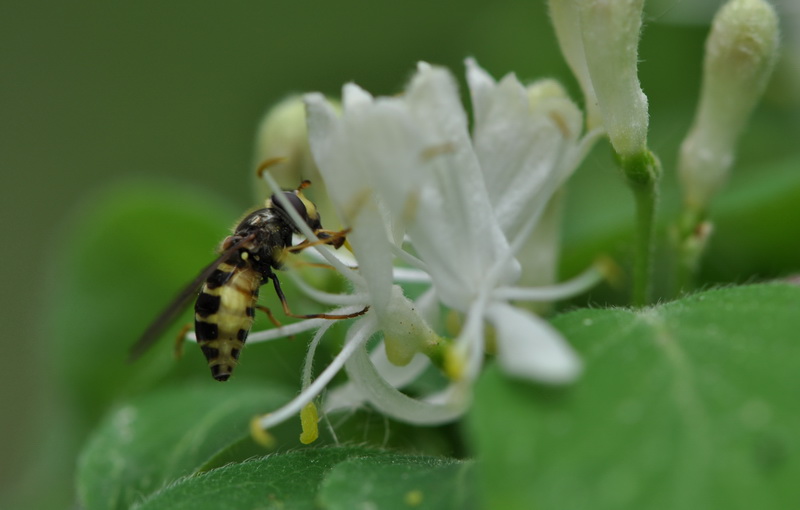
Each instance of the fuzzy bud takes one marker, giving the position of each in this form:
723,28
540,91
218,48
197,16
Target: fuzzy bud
610,32
282,136
567,23
740,55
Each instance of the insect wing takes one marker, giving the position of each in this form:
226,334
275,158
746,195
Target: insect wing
171,312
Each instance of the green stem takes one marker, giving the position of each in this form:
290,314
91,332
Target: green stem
643,256
642,173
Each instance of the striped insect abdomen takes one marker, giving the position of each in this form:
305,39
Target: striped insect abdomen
224,314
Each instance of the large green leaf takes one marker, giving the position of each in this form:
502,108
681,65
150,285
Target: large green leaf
691,404
289,480
160,437
399,482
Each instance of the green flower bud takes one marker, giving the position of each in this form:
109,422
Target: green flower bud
282,138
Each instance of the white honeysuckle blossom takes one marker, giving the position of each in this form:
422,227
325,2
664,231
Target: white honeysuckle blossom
405,174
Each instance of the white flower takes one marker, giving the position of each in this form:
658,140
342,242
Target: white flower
413,184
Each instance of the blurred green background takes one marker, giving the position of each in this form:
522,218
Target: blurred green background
95,94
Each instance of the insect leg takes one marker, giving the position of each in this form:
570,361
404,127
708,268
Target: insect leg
289,313
177,350
272,318
334,238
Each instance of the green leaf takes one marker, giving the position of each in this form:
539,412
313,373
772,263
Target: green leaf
158,438
752,237
286,481
399,482
691,404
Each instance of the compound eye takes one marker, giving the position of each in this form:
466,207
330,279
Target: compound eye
293,199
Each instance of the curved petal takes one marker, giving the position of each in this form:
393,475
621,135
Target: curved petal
455,232
529,348
347,149
391,402
348,395
520,136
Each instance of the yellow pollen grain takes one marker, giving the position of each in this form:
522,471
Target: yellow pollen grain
413,498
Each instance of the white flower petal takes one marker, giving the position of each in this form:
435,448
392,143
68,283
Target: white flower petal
371,246
481,84
455,232
529,348
391,402
610,32
354,96
347,151
348,395
567,24
520,146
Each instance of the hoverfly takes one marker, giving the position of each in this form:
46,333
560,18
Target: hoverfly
228,287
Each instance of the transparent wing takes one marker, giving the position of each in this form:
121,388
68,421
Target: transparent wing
184,297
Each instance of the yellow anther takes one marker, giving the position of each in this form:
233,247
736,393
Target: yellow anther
453,323
309,420
454,363
268,163
610,271
259,434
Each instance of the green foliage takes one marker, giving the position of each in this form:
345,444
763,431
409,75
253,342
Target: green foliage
399,481
153,440
335,477
688,403
691,404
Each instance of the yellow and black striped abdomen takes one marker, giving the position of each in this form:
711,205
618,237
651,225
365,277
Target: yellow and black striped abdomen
224,314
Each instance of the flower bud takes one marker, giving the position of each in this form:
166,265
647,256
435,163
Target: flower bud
740,54
405,332
282,135
567,24
610,33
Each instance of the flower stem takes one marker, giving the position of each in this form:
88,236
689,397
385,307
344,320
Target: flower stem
642,172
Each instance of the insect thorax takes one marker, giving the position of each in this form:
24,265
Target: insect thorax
273,234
